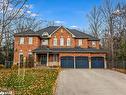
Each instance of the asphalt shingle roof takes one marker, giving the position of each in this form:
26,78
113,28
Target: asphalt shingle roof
51,29
76,49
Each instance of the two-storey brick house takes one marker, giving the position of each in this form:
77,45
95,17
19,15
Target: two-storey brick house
60,46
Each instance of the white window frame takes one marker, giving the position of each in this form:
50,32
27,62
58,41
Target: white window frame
80,42
93,43
68,42
21,41
30,41
61,41
45,42
55,41
45,34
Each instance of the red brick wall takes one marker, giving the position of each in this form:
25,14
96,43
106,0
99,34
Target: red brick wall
65,34
24,47
74,42
97,44
84,43
37,42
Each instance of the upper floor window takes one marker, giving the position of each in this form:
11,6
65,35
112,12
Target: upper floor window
21,40
79,42
55,41
30,40
93,44
45,42
68,42
61,41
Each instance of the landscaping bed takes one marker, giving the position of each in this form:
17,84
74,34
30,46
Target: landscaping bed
37,81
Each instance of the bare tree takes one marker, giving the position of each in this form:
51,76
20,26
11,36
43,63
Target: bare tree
95,21
28,23
10,10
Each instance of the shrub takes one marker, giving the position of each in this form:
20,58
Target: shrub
1,66
15,66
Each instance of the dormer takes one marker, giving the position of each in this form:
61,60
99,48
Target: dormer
45,34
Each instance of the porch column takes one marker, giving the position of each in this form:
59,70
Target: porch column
74,63
89,59
47,59
35,59
105,62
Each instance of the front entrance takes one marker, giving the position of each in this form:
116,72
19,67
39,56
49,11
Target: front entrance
44,59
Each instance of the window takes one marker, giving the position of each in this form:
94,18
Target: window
55,58
45,34
79,42
68,42
21,58
55,41
21,40
61,41
30,40
44,42
30,55
93,44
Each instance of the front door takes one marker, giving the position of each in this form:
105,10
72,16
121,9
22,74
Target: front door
43,59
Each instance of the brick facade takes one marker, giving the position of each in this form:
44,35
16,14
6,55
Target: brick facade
26,48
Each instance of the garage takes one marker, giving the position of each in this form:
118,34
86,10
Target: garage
81,62
67,62
97,62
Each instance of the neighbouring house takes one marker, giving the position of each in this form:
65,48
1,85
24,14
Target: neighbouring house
59,46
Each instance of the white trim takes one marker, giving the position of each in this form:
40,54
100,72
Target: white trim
45,33
47,63
59,28
74,63
105,63
89,60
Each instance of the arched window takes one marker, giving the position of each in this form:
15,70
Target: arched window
61,41
55,41
68,42
45,34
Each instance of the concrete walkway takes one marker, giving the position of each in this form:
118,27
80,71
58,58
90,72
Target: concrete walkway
91,82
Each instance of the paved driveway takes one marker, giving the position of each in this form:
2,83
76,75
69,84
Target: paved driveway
91,82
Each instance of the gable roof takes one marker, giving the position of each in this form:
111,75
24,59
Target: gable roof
51,29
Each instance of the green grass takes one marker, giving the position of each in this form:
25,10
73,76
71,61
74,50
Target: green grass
35,82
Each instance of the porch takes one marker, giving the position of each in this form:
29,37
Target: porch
46,59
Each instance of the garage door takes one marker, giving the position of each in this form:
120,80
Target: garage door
81,62
67,62
97,62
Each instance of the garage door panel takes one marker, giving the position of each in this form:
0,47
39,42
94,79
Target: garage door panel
67,62
81,62
97,62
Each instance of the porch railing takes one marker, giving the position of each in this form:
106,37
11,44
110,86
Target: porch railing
53,63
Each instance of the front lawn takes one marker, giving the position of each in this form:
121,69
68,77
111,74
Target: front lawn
37,81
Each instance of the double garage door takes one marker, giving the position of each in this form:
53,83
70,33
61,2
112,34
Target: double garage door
81,62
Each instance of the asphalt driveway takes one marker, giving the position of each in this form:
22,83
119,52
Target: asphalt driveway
91,82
